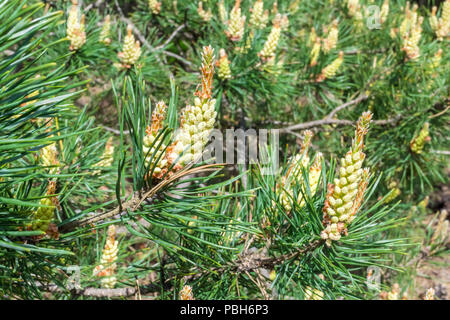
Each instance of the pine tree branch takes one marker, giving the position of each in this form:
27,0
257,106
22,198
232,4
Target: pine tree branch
136,200
166,43
135,30
115,131
145,42
330,120
104,293
440,113
245,264
253,261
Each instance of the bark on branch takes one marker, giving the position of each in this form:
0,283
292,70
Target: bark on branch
329,119
136,200
105,293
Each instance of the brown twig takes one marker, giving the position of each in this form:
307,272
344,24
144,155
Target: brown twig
347,104
248,263
115,131
178,57
105,293
253,261
166,43
93,5
136,200
329,119
440,113
258,284
135,30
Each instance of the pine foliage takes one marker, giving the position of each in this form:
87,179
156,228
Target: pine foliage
107,107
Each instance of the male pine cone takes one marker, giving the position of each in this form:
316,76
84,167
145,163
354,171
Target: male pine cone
131,50
197,121
344,197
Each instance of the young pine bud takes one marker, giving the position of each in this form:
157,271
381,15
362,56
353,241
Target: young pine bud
236,23
223,14
131,50
358,18
433,19
312,39
394,192
436,60
411,40
49,157
405,25
345,196
270,46
315,52
443,27
417,143
154,6
282,20
107,267
104,34
313,178
330,42
150,146
353,7
301,160
384,12
186,293
275,8
43,216
75,27
331,70
259,17
224,65
247,45
294,175
197,120
205,15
